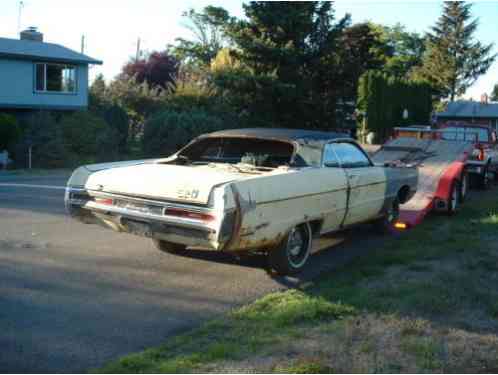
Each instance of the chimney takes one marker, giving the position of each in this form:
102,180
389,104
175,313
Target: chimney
484,99
31,33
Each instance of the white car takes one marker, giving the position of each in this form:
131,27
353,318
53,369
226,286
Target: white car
244,190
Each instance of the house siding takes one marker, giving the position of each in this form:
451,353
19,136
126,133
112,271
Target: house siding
17,88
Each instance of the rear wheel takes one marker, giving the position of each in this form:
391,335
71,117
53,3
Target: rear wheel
485,179
453,198
291,255
168,247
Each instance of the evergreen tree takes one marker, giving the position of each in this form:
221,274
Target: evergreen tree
494,93
289,54
454,60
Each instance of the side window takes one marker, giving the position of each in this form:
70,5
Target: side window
350,155
329,157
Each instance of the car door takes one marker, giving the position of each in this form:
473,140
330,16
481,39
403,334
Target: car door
367,183
335,206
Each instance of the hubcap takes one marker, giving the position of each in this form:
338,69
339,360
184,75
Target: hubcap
298,244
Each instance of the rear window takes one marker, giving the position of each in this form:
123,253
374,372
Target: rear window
257,152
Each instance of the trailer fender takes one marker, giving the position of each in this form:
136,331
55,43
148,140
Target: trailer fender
453,173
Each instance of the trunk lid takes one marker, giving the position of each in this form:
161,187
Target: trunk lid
191,184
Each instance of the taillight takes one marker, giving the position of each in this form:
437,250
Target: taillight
106,201
188,214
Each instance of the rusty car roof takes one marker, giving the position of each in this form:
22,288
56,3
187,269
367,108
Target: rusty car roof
292,135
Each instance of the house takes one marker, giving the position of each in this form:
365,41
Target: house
36,75
482,112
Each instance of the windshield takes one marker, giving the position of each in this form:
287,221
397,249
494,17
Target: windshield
256,152
457,133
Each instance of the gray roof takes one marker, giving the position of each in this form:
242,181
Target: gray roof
469,109
32,50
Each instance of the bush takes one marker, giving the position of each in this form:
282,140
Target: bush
168,131
88,138
10,131
66,140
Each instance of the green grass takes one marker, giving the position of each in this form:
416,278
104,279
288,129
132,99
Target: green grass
424,302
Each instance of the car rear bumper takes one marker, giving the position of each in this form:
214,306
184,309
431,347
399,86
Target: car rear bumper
145,218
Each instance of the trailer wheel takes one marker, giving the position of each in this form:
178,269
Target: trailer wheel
168,247
453,199
485,179
291,255
464,187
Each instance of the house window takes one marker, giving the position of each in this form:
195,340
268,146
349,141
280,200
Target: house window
55,78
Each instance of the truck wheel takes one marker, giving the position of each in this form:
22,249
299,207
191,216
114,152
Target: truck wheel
453,199
290,256
168,247
386,224
464,187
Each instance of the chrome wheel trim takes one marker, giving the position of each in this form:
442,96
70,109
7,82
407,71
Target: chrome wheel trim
298,246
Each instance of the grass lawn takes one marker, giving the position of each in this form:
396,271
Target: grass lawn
425,302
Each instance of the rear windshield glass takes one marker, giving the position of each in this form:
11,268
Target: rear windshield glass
257,152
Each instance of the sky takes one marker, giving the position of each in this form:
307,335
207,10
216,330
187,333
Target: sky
112,27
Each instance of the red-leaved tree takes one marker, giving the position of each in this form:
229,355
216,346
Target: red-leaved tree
159,70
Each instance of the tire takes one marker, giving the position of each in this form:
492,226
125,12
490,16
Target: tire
453,199
291,255
168,247
386,224
485,179
464,187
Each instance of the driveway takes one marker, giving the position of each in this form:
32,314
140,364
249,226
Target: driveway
74,296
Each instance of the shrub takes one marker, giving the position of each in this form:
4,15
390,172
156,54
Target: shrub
168,131
88,137
10,131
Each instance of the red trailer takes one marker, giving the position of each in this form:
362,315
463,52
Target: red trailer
443,181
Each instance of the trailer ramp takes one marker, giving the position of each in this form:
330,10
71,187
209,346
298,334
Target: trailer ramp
439,162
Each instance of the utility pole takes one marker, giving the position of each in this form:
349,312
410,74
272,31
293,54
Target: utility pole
21,6
137,56
83,43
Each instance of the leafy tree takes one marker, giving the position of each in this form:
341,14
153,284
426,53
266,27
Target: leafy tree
209,37
494,93
383,99
159,70
454,60
360,49
403,50
168,131
98,86
139,100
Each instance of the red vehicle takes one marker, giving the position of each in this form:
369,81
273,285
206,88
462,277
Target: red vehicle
482,164
442,183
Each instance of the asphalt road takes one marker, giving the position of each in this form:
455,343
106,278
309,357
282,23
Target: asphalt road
73,296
